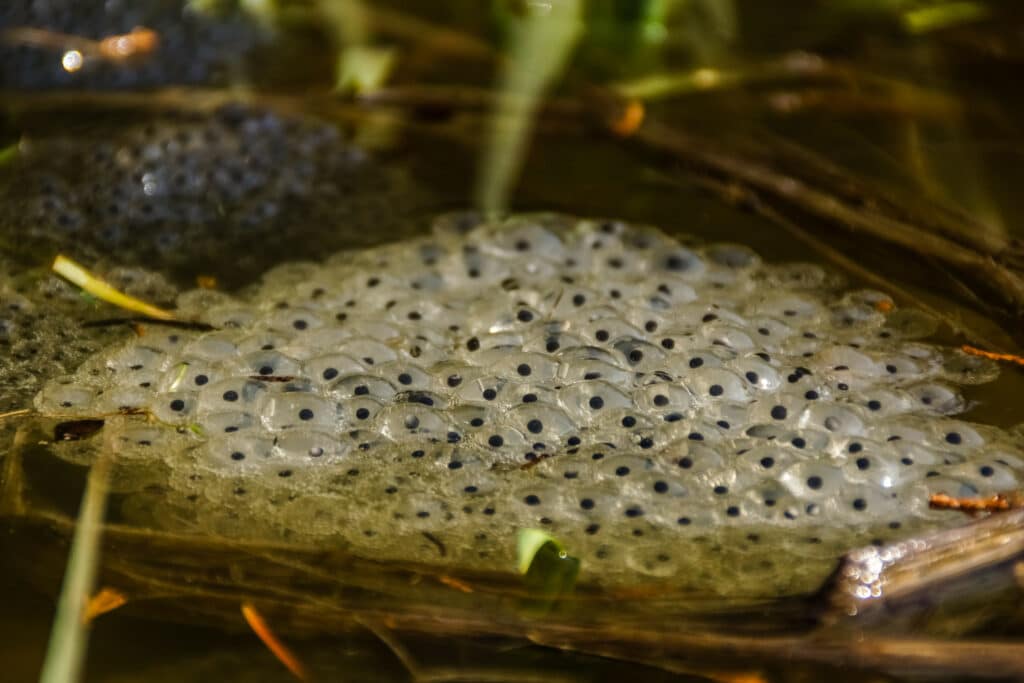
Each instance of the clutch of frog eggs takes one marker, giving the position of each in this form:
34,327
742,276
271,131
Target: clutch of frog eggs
661,409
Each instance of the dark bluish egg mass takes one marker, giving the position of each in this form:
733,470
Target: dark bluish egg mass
240,181
195,46
691,416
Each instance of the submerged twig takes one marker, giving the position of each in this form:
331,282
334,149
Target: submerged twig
919,566
738,195
949,236
632,636
880,221
15,413
284,655
1004,357
432,674
813,185
999,502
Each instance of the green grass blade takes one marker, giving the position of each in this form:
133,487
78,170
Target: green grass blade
542,42
69,637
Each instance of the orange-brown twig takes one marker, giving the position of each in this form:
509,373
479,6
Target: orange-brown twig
452,582
107,600
631,118
996,503
140,42
1006,357
742,677
276,647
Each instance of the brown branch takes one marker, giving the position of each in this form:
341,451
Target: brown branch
738,195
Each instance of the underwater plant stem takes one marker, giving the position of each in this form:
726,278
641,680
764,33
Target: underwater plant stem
69,637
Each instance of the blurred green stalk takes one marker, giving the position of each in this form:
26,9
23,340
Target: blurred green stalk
542,39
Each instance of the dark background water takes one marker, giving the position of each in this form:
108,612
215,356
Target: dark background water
931,115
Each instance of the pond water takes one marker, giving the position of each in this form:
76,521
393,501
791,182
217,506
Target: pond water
157,183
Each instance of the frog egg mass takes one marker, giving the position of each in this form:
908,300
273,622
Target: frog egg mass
679,414
199,185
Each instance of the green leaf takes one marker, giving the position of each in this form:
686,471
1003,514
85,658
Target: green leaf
529,543
547,568
363,69
8,153
944,15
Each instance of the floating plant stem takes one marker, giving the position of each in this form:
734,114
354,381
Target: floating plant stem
78,275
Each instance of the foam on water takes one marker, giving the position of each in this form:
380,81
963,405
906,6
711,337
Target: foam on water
671,413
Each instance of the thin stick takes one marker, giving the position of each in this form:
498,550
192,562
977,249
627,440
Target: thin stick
1005,357
15,413
999,502
816,200
284,655
834,255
